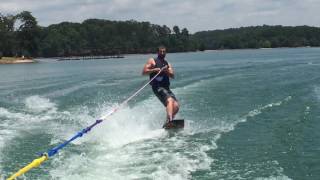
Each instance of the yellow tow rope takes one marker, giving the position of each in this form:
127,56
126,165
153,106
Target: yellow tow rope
35,163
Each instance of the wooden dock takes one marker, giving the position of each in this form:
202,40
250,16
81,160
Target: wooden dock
78,58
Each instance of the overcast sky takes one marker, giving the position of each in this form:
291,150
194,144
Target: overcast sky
195,15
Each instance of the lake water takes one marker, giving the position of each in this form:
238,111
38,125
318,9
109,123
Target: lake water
250,114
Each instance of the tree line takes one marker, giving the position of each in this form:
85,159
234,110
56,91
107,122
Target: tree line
259,37
20,34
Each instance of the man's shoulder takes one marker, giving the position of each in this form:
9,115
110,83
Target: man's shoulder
151,60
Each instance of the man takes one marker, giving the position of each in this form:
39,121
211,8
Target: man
161,84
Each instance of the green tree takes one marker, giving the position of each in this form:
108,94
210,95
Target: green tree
2,34
28,34
176,30
7,35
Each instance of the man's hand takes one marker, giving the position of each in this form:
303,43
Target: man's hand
156,70
169,71
165,68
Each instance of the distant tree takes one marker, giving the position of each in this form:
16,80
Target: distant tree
2,33
265,44
185,32
7,35
202,47
176,30
28,34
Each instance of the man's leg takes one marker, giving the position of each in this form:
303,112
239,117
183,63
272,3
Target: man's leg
175,108
172,108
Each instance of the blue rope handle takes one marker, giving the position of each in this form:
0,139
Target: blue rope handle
54,150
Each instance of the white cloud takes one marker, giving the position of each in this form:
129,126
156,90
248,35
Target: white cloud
196,15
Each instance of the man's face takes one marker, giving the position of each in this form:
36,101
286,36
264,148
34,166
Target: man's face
162,53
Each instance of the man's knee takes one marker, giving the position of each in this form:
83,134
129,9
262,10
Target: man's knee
170,100
175,103
176,106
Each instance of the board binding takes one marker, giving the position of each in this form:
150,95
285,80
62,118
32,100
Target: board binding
174,124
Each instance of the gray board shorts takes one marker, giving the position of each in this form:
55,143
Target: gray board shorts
163,93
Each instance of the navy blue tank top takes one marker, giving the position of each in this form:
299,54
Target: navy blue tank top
162,80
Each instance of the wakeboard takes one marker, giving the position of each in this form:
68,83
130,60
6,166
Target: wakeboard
174,124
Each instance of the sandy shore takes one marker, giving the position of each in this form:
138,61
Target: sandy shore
16,61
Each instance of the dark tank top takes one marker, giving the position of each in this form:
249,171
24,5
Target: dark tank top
162,80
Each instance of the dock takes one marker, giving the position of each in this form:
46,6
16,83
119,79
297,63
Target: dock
78,58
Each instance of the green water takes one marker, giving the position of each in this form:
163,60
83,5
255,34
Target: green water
250,114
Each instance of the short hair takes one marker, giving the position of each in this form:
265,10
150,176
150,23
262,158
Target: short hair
161,47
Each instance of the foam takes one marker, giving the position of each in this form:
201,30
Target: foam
39,104
130,162
280,177
131,142
226,125
37,110
317,92
258,111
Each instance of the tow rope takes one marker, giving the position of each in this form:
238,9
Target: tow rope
45,156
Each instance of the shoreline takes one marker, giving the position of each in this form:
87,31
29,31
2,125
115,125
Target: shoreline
20,60
5,60
262,48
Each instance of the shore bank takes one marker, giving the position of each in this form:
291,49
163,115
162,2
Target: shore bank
11,60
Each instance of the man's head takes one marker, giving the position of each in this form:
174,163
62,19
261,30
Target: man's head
162,52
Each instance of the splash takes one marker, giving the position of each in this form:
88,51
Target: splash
282,177
132,145
39,104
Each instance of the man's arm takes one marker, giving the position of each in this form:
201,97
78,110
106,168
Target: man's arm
149,67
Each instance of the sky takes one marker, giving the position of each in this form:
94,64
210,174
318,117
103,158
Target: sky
195,15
